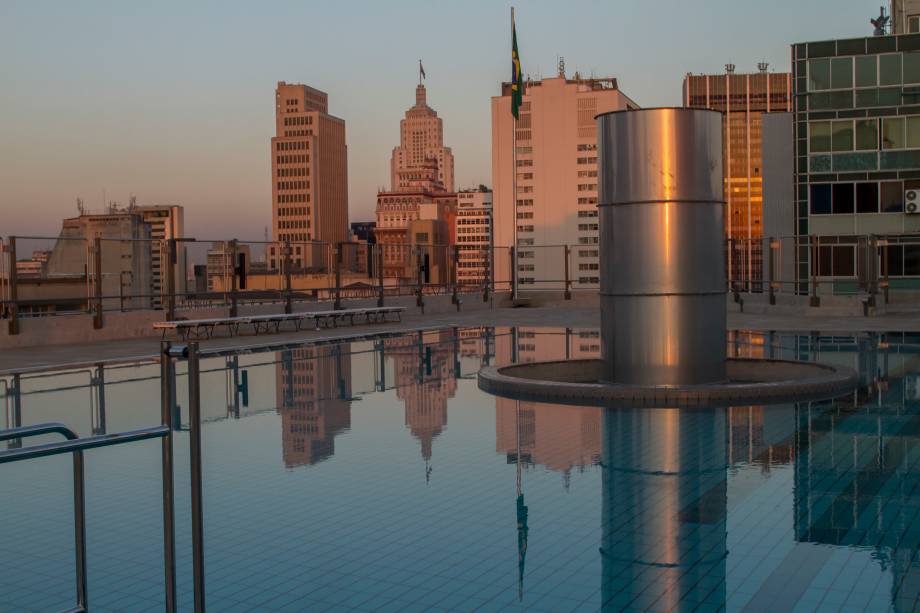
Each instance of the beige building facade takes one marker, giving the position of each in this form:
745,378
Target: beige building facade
473,225
552,163
421,138
309,174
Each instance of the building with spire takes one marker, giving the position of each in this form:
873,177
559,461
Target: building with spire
415,217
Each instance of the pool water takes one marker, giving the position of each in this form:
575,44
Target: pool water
374,475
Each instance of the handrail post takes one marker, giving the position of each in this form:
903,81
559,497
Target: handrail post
16,417
815,300
455,263
233,305
194,436
337,262
167,398
885,269
514,276
489,276
419,300
568,282
379,249
288,305
13,327
79,525
97,283
771,270
170,270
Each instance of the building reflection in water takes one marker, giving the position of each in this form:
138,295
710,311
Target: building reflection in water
313,389
425,372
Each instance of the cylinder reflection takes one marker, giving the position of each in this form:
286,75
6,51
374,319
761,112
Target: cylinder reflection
664,508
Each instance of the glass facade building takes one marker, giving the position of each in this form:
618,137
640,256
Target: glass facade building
742,98
857,150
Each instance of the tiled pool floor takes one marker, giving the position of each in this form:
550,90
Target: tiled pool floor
334,480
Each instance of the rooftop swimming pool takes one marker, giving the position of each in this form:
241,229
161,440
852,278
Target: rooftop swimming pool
375,475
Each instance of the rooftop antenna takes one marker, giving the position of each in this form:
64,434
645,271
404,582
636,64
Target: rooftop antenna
762,66
80,207
729,68
562,66
132,203
880,22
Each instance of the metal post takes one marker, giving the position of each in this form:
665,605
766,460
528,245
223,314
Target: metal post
337,259
455,298
167,397
381,361
79,524
815,300
514,288
419,300
872,268
288,305
885,268
170,270
770,268
490,275
13,327
97,283
233,305
99,381
379,249
16,417
568,282
194,437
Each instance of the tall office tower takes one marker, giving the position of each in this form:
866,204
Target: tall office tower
309,175
419,208
742,98
166,222
555,175
421,138
474,235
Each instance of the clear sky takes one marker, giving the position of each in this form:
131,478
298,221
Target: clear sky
173,101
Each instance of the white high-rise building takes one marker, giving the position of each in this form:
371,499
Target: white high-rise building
556,178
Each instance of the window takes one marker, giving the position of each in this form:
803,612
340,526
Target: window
893,133
911,67
820,136
912,260
820,199
867,197
842,136
866,134
866,71
843,198
892,196
819,74
841,72
913,132
889,69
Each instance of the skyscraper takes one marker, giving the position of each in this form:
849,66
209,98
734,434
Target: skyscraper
421,138
742,98
418,210
309,173
555,175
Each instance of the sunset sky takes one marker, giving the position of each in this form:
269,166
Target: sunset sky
173,101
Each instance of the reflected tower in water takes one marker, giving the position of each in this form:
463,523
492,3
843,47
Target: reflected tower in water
664,508
314,399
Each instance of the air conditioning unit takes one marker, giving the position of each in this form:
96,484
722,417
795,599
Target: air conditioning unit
912,202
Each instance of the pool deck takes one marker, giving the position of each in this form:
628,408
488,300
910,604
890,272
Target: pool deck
572,316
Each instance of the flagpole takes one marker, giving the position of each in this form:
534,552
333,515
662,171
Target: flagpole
514,260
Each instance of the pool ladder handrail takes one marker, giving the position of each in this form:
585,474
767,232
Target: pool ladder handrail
76,445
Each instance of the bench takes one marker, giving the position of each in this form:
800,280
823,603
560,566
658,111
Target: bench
204,328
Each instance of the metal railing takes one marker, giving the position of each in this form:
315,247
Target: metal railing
67,275
76,445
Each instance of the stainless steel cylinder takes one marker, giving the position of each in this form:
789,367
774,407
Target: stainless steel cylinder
662,263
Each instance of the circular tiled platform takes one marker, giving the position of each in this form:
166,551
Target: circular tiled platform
750,381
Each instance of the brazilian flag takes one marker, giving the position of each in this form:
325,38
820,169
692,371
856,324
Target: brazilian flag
517,83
